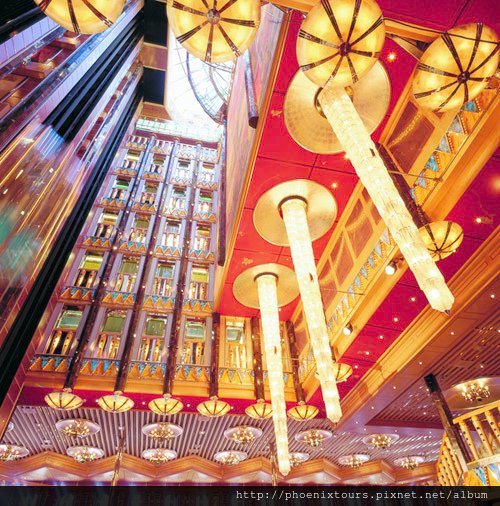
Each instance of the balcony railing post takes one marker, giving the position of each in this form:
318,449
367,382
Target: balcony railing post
457,444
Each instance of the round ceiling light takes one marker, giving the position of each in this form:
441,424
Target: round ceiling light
243,434
298,458
260,410
77,427
82,16
213,408
303,412
380,441
313,437
442,238
12,452
165,405
354,461
159,455
84,454
456,67
411,463
64,400
230,458
340,40
162,431
217,33
115,403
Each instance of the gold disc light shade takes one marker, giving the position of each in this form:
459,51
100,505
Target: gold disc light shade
82,16
442,238
340,40
260,410
165,405
213,408
306,122
456,67
321,210
115,403
303,412
214,31
64,401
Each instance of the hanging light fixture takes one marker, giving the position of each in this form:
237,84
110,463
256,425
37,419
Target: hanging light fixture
354,461
65,400
84,454
115,403
380,441
306,122
261,410
230,458
12,452
82,16
158,456
294,214
77,427
243,435
456,67
214,31
213,408
328,57
442,238
475,391
267,287
165,405
342,372
162,431
303,412
313,437
298,458
411,463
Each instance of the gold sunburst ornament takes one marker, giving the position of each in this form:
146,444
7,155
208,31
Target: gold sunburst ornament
82,16
214,31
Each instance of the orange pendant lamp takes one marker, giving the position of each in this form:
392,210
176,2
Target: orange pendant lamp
456,67
214,31
340,39
82,16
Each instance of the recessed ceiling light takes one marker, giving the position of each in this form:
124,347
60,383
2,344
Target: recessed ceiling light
391,56
492,296
395,319
413,299
335,185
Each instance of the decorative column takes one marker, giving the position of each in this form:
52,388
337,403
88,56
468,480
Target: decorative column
294,214
267,287
458,445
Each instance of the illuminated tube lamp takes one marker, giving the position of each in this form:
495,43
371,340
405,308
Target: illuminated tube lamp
294,214
267,287
347,125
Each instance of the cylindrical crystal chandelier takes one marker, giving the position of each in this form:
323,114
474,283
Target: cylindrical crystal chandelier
289,214
268,301
372,172
359,31
267,287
